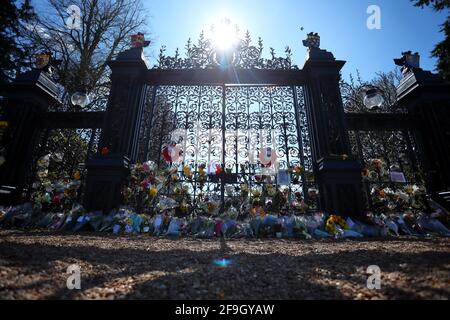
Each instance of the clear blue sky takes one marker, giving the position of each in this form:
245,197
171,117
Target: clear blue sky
341,24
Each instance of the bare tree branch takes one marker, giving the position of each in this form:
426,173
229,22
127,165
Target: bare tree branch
105,28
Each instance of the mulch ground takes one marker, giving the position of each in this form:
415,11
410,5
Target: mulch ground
33,265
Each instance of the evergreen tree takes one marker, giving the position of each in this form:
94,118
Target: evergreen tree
14,54
442,49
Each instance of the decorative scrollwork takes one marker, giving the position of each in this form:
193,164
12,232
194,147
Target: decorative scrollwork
244,55
230,126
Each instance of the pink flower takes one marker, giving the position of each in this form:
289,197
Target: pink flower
144,184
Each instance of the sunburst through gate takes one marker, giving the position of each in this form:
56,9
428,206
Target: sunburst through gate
239,133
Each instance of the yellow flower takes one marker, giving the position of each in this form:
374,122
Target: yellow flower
4,124
330,226
409,189
332,221
153,191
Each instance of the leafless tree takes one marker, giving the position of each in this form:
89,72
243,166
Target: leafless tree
390,146
353,91
85,42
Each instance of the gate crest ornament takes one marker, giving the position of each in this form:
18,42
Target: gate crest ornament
242,55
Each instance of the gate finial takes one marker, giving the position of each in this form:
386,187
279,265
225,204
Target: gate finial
408,61
138,41
46,62
312,40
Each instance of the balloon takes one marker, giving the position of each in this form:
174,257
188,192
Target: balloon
171,153
47,198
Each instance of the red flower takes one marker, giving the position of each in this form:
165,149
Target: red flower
57,199
105,151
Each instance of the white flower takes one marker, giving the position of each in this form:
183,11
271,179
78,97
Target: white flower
404,196
418,190
229,190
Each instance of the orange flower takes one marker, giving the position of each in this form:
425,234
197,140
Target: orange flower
297,170
187,172
257,211
77,175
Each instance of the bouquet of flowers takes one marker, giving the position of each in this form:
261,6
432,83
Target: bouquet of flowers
336,225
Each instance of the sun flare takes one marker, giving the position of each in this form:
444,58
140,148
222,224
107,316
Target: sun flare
223,34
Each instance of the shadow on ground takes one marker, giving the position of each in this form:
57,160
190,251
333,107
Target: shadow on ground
134,268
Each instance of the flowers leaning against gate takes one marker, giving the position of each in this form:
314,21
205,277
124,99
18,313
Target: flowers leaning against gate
375,170
144,184
53,191
336,225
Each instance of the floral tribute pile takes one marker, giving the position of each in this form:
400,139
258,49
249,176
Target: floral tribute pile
169,202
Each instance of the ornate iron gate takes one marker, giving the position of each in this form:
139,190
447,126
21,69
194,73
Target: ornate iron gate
231,107
231,126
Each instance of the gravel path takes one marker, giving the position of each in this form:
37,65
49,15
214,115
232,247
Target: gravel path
33,266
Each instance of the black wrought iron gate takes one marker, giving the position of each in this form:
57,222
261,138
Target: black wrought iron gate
223,109
232,126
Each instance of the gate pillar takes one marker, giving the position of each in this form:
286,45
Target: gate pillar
120,132
338,174
427,96
27,96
